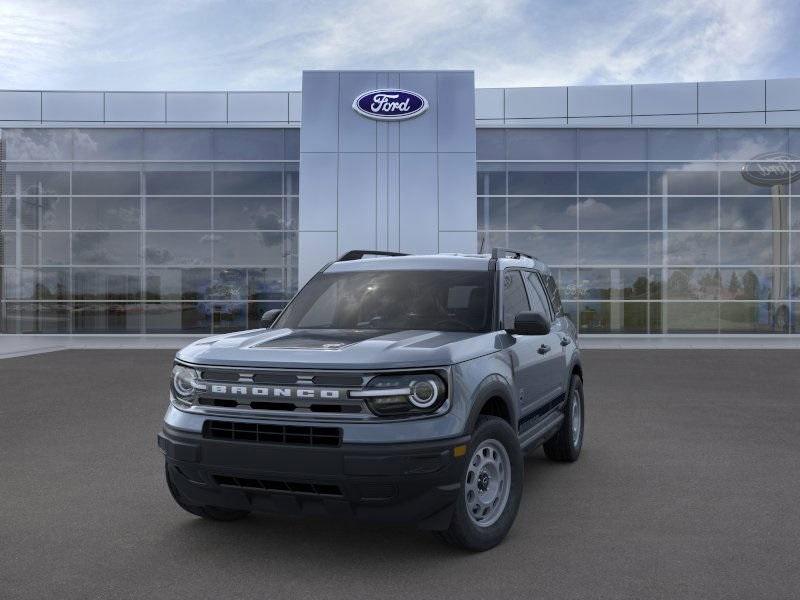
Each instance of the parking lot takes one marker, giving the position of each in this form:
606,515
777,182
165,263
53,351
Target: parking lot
688,487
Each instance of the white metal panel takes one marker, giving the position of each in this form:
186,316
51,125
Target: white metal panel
732,119
419,134
783,94
599,101
784,118
295,106
554,122
730,96
536,103
458,241
457,192
318,183
600,121
258,106
665,120
72,106
456,101
320,130
489,103
315,250
20,106
197,107
664,98
419,211
136,107
356,132
356,205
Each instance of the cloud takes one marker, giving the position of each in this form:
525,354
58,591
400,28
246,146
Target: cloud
215,44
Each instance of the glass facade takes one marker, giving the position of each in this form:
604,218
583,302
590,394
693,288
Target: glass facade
146,230
650,230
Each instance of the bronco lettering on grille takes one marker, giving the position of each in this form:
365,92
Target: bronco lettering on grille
276,392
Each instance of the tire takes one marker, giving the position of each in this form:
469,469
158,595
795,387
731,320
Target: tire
566,444
213,513
493,443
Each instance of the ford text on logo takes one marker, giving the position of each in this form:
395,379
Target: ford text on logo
772,168
390,105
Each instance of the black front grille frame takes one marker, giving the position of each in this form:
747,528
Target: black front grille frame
268,433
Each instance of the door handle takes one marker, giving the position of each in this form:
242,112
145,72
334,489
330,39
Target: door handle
565,341
543,349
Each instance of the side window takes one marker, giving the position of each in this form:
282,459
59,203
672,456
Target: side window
555,297
538,298
515,298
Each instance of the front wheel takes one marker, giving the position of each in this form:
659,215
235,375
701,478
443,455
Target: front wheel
491,488
566,444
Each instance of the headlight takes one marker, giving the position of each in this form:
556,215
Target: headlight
404,394
183,383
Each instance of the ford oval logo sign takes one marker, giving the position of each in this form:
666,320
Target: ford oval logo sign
772,168
390,105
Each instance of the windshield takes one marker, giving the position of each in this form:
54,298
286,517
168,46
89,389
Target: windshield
393,300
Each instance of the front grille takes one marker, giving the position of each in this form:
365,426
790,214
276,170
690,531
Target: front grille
273,434
267,485
350,408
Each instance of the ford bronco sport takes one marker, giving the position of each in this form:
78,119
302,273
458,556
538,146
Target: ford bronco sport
392,388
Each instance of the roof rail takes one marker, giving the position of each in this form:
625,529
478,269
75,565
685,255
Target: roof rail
504,252
359,254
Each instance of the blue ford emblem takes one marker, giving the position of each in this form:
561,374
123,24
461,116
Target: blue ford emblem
772,168
390,105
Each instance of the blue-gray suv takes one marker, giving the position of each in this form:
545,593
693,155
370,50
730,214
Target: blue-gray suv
392,388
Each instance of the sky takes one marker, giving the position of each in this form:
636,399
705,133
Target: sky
265,45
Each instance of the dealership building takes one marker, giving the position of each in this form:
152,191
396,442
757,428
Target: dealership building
661,208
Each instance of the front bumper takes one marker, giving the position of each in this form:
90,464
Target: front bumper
392,483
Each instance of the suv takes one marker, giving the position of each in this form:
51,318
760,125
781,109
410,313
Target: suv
392,388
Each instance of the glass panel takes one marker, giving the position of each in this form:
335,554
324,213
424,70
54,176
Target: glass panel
291,140
693,284
256,309
683,180
265,284
186,317
794,289
541,179
8,213
755,283
178,248
8,248
795,220
177,284
105,248
691,213
178,183
682,144
656,309
50,248
567,282
571,311
612,144
178,144
754,317
542,213
38,144
656,283
541,144
248,144
248,213
291,213
612,213
178,213
491,144
45,284
229,284
735,143
32,317
249,249
44,212
612,284
40,183
491,179
552,248
291,178
108,144
230,316
732,182
613,317
754,213
613,249
100,317
249,182
105,213
692,248
758,248
98,183
627,183
690,317
106,284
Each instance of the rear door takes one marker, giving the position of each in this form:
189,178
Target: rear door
529,364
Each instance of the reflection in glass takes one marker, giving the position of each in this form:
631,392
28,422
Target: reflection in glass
541,213
691,213
38,144
102,248
44,212
178,248
612,284
629,183
523,182
34,317
229,316
491,144
8,248
690,317
613,317
178,213
265,284
248,213
491,180
98,183
240,182
250,248
755,283
178,144
755,248
612,213
754,317
676,182
44,284
184,317
107,144
541,144
105,213
101,317
178,183
46,248
552,248
41,183
693,284
754,212
692,248
248,144
612,144
613,249
106,284
177,284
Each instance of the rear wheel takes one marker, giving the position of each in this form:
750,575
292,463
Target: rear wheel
565,445
491,488
214,513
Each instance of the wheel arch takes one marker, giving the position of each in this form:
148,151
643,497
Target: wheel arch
493,397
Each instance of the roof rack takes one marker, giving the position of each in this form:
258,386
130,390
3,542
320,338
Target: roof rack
359,254
504,252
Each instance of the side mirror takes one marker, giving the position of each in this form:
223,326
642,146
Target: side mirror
269,317
531,323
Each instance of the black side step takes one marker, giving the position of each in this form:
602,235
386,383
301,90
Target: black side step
538,434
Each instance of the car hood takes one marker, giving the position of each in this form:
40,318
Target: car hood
339,348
